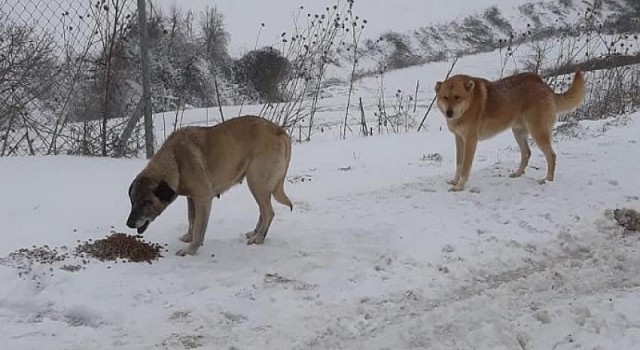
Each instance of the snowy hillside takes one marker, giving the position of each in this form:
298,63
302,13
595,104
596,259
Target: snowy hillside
278,15
506,25
420,31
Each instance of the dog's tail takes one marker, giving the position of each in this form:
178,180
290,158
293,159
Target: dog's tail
572,97
280,196
278,192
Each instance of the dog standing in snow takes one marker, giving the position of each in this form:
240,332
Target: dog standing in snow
477,109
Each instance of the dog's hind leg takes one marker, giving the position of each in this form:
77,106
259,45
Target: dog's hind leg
191,213
258,184
543,140
521,135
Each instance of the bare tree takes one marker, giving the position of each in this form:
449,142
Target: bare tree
214,42
26,70
111,33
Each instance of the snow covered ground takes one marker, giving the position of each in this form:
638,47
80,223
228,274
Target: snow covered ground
376,255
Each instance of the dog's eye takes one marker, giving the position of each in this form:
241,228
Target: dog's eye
446,98
456,97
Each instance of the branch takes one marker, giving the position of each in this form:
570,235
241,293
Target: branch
453,64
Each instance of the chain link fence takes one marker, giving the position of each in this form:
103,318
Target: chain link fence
71,78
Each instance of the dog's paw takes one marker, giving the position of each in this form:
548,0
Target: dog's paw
545,180
516,174
250,234
186,251
456,188
187,238
255,239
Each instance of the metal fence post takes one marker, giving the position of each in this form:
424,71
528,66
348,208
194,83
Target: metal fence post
146,90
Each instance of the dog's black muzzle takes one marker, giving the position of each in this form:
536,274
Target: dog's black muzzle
133,219
131,222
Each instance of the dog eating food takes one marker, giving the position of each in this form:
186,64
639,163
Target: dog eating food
203,162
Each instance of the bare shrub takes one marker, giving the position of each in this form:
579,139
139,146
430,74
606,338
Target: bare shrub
611,60
357,27
316,41
477,33
402,55
263,71
495,19
396,115
611,92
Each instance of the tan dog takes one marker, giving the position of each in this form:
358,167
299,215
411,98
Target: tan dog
203,162
477,109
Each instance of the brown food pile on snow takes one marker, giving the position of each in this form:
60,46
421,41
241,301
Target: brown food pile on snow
627,218
115,246
121,246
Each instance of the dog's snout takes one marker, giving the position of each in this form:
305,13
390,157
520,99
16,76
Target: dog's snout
449,113
132,219
131,223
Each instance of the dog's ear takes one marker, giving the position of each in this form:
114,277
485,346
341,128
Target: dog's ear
438,85
130,188
164,192
469,85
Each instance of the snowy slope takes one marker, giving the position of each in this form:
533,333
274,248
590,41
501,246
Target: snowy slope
377,253
278,15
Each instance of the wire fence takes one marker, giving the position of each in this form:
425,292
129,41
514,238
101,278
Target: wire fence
70,77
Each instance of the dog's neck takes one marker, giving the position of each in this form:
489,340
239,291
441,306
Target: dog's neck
163,165
479,98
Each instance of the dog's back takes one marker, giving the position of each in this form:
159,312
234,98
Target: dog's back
524,90
229,150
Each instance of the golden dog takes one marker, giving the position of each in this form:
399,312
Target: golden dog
477,109
203,162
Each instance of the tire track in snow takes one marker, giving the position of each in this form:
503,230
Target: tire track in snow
485,313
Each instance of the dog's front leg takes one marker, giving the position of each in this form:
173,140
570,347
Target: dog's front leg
459,156
469,151
202,211
191,212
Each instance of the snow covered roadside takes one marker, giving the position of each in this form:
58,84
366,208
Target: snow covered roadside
377,254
